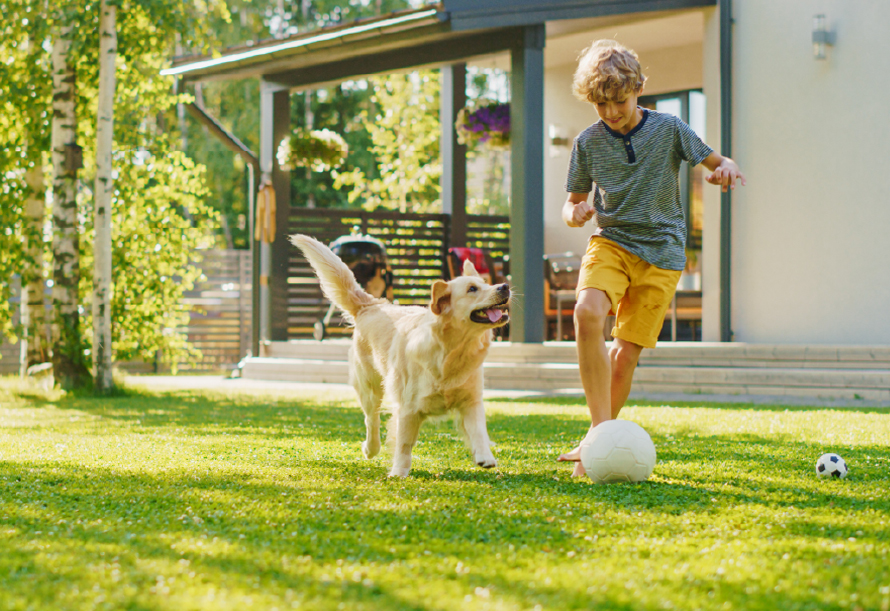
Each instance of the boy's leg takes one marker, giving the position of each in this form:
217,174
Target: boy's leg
640,320
622,361
591,310
623,357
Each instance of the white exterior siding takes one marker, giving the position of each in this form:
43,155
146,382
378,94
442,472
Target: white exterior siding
811,231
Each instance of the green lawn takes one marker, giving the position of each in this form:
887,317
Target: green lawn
219,500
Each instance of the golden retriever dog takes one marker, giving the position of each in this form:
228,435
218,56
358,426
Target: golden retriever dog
426,361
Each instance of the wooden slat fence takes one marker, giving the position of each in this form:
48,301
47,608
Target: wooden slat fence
416,245
219,323
10,352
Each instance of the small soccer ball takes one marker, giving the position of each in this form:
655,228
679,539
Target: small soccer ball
831,465
618,451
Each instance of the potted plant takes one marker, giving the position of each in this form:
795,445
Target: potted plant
318,149
485,122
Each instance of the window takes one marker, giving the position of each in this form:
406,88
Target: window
684,318
689,106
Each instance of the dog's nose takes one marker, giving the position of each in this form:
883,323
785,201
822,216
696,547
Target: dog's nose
503,289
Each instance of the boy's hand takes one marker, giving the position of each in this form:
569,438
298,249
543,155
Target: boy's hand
726,174
577,211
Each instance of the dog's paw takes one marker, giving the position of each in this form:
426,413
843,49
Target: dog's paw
370,450
400,473
486,462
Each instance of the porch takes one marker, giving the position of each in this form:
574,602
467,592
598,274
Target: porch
538,46
840,373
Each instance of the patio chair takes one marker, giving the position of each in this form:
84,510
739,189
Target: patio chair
560,279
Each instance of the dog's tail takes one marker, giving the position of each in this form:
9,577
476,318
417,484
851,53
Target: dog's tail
337,281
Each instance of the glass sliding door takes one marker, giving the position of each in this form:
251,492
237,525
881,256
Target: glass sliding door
684,320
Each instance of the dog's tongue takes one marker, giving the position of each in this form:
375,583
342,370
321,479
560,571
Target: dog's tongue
494,315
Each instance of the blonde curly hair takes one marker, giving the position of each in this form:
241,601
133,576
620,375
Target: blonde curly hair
607,71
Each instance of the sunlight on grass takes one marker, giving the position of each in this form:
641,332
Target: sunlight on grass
220,500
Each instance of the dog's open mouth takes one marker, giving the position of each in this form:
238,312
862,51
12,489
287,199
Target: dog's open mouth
498,314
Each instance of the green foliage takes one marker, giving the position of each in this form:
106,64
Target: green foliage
236,105
317,149
339,109
25,96
150,174
160,213
405,136
160,226
488,177
227,499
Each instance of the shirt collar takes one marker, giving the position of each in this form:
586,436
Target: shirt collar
631,132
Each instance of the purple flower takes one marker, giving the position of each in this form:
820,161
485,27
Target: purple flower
488,119
488,124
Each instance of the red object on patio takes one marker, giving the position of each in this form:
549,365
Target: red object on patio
475,255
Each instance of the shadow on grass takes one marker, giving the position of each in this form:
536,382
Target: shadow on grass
236,526
741,468
145,525
209,414
237,532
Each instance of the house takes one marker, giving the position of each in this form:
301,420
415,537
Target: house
791,90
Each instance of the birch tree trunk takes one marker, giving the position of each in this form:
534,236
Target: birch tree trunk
35,349
102,286
69,366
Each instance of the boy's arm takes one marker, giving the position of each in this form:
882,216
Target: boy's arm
724,170
577,211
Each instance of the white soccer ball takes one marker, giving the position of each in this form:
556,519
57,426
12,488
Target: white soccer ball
831,465
618,451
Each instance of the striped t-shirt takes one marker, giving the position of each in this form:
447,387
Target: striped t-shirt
637,190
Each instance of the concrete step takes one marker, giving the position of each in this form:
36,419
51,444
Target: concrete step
677,354
307,349
872,385
296,370
705,354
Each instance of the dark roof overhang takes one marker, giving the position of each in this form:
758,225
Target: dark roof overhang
449,32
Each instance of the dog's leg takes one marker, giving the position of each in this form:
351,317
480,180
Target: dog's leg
407,428
472,419
369,388
371,401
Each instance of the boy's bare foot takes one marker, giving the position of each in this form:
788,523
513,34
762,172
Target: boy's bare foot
574,456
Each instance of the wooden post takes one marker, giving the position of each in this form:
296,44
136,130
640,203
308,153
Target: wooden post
454,155
726,149
527,212
274,126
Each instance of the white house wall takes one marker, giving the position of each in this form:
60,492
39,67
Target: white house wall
811,231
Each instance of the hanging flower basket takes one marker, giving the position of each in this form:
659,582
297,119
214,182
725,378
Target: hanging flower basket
485,122
318,149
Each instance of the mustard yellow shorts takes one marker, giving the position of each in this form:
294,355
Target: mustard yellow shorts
640,292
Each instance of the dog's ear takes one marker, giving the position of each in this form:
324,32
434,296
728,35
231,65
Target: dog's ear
441,297
470,269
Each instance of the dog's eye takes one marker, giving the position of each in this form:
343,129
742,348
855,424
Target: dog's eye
472,289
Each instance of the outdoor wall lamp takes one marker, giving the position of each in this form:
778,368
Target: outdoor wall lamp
557,139
822,37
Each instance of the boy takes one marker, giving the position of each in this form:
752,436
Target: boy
630,159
